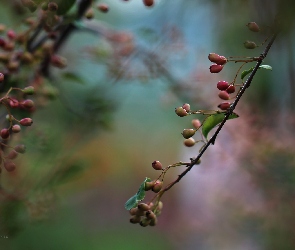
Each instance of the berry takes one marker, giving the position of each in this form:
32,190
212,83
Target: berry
223,95
26,122
196,123
149,185
13,103
220,60
20,148
231,89
250,45
9,166
1,77
187,133
150,215
2,42
103,8
143,207
222,85
12,155
4,133
58,61
135,219
148,3
224,105
186,107
133,211
180,111
157,186
154,222
11,34
52,6
145,222
253,27
89,13
189,142
28,104
215,68
16,128
157,165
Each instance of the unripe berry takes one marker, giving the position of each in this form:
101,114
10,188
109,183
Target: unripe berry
148,3
154,222
26,122
157,165
29,90
160,205
1,77
143,207
196,123
31,5
89,13
133,211
12,155
27,104
231,89
9,166
214,68
224,105
253,27
187,133
16,128
223,95
20,148
135,219
145,222
250,45
44,6
103,7
222,85
150,215
189,142
157,186
186,107
148,186
4,133
180,111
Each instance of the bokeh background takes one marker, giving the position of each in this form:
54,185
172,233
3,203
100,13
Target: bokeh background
91,146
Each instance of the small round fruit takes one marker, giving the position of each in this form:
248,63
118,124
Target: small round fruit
253,27
4,133
180,111
26,122
9,166
143,207
250,45
189,142
187,133
215,68
16,128
157,186
148,185
20,148
224,105
231,89
148,3
133,211
222,85
196,123
103,8
186,107
157,165
135,219
223,95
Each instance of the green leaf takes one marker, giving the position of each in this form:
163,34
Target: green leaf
131,203
248,71
139,196
213,120
64,6
265,67
73,77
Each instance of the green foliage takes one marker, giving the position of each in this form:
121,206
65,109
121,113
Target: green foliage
139,196
213,120
248,71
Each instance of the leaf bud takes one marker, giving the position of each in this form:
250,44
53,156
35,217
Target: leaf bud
157,165
253,27
189,142
187,133
215,68
26,122
180,111
250,45
223,95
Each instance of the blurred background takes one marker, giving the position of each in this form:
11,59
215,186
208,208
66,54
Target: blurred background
112,115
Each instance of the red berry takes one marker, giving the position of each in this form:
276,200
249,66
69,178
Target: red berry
12,155
16,128
224,105
222,60
213,57
223,95
2,42
148,3
196,123
11,34
26,121
9,166
215,68
1,77
222,85
27,104
157,165
186,107
231,89
13,103
5,133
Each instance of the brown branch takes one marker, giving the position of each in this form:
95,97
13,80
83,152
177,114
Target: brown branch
228,113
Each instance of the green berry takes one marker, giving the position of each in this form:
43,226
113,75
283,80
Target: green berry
187,133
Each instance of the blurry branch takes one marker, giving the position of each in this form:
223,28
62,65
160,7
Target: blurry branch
194,161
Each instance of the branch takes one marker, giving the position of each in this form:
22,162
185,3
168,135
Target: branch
228,113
